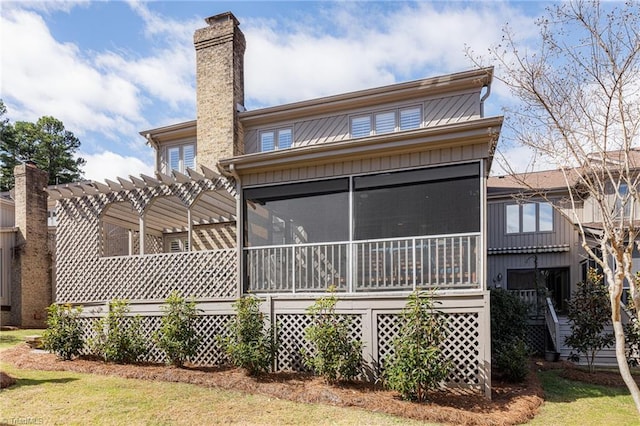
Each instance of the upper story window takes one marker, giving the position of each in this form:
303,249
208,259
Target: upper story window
529,217
382,122
181,157
276,139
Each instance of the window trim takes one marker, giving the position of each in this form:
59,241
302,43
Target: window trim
276,138
521,215
181,166
371,115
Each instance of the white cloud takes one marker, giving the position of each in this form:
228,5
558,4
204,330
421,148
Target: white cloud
41,76
109,165
289,61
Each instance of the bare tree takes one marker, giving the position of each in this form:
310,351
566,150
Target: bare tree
579,110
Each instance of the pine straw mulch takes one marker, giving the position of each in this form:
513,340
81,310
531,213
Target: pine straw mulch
510,404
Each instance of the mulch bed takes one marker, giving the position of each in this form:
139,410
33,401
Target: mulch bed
510,404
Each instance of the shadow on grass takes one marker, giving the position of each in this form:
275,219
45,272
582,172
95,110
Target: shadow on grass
10,340
32,382
559,389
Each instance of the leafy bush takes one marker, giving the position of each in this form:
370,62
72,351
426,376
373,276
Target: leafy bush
63,335
418,364
632,337
250,344
118,337
335,356
509,351
177,335
589,312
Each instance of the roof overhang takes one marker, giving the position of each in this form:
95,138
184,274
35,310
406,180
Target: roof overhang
484,130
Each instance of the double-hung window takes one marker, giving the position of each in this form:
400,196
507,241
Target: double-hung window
529,217
379,123
181,157
276,139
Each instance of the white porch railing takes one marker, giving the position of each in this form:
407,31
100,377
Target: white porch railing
450,261
553,325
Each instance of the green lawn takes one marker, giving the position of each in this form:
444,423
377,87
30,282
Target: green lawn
574,403
68,398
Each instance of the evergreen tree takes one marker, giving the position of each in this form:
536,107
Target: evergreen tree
46,142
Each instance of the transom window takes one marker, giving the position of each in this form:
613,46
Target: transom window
529,217
382,122
181,157
276,139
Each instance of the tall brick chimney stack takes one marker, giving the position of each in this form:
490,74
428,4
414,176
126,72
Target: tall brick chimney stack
31,291
219,88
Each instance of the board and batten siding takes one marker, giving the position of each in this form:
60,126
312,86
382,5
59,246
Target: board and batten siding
563,234
453,109
369,165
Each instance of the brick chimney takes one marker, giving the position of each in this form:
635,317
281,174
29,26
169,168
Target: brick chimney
219,88
31,291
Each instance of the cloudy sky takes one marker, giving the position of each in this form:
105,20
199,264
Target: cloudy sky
108,70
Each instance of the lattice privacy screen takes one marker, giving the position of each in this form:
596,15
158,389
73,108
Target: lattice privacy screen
291,329
461,345
84,275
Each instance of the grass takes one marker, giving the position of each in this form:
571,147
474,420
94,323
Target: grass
574,403
12,338
46,397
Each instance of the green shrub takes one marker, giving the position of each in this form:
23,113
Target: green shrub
589,312
177,335
509,351
418,364
335,355
63,335
118,337
251,344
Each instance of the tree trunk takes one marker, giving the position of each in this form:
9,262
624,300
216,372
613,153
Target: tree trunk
621,357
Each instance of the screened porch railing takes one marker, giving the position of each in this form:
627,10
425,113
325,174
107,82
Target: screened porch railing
443,262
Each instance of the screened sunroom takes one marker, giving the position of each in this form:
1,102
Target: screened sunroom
393,231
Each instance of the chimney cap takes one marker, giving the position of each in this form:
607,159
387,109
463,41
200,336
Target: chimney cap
221,18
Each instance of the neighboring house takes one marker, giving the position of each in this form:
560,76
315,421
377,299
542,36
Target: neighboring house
7,244
376,192
536,251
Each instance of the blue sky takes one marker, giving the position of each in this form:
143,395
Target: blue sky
110,69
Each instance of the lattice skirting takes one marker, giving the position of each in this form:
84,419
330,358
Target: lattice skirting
376,329
536,334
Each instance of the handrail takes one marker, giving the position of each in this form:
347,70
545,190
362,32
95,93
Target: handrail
553,325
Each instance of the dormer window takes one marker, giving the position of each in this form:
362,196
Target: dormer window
181,157
382,122
276,139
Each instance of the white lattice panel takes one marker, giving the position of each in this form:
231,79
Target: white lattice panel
208,327
83,275
461,346
291,329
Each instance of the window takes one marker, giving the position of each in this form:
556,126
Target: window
623,201
180,158
529,217
360,126
276,139
386,122
178,244
410,118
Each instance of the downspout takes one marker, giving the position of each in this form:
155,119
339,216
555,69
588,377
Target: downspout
233,173
484,98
